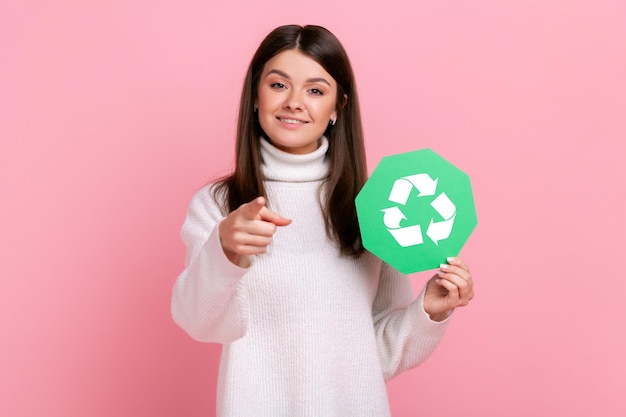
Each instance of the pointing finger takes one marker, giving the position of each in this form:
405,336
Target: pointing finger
269,216
252,209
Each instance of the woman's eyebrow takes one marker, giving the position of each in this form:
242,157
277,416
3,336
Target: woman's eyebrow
310,80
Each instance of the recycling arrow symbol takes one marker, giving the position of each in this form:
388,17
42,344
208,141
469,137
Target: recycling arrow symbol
412,235
419,225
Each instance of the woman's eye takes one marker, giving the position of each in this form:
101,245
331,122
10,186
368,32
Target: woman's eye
277,85
316,92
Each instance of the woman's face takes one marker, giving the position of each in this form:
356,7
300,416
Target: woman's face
296,100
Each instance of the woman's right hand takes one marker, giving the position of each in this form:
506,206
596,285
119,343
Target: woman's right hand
249,230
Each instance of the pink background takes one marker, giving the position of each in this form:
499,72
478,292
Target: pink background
113,112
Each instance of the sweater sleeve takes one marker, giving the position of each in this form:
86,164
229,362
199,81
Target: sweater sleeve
405,334
208,298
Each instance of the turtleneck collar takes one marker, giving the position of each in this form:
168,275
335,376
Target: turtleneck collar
283,166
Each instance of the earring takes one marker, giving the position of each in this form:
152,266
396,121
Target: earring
333,121
255,108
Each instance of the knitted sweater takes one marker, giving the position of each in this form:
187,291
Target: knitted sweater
306,331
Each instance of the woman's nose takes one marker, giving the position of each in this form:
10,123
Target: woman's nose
293,101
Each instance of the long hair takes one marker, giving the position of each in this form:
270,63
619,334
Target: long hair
346,150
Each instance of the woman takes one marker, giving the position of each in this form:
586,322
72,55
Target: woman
312,324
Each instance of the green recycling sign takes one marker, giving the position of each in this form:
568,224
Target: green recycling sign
415,210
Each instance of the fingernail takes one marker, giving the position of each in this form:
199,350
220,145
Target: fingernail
444,267
451,259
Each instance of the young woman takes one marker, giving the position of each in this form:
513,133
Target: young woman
311,323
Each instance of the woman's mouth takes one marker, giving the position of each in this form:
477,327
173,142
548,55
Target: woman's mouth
291,121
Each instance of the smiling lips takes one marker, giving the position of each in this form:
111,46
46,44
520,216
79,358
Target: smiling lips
291,122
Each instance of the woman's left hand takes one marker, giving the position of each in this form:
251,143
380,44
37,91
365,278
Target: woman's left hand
452,287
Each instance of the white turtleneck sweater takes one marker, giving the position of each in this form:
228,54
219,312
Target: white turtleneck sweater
306,331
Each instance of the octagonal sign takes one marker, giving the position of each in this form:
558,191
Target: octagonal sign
416,210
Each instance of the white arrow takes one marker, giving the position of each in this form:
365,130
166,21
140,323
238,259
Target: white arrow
439,230
444,206
400,191
402,187
393,217
424,184
408,236
446,209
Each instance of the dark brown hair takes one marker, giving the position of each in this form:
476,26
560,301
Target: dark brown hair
346,151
